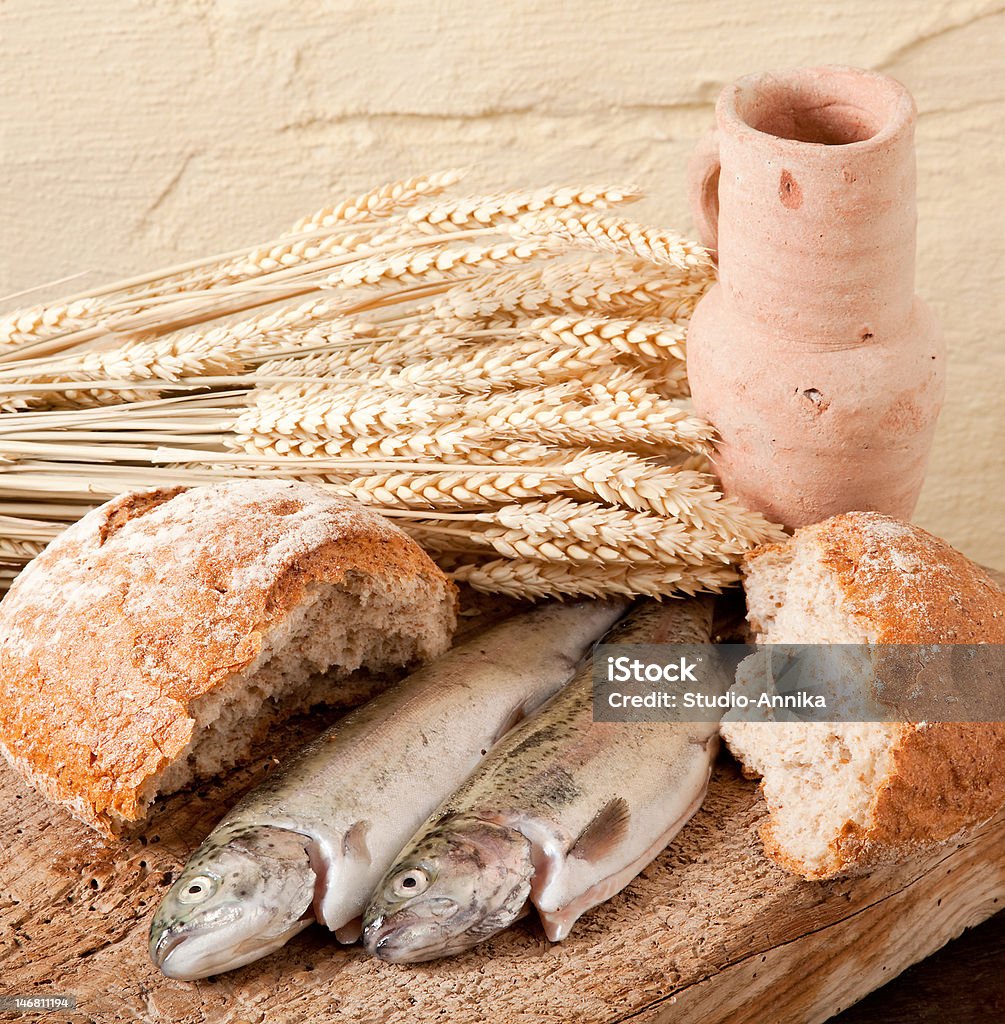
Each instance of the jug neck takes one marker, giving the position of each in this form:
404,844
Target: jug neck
817,224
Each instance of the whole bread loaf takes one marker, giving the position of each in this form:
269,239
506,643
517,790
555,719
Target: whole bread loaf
155,640
845,797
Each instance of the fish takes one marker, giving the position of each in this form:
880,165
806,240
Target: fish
561,815
310,843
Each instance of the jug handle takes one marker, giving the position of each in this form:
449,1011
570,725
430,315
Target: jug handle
703,189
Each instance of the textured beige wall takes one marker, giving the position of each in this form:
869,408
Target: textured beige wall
136,133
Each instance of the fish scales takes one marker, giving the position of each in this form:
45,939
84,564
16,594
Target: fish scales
357,793
585,804
462,702
564,734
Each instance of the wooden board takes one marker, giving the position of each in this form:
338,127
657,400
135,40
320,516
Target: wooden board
963,981
711,931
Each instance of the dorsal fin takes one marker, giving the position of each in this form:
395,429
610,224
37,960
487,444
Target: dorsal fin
608,828
354,842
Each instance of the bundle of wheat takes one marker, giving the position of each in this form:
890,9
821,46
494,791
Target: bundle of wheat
502,374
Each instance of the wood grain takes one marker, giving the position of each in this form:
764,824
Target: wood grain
964,981
711,931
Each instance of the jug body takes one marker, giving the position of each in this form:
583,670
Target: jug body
821,369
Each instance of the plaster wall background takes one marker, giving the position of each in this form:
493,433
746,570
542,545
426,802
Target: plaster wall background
135,133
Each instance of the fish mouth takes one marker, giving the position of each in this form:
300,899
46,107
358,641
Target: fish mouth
165,944
394,941
379,935
164,955
164,948
195,959
389,950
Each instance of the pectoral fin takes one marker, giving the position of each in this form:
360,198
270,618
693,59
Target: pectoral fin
559,919
354,843
350,932
605,833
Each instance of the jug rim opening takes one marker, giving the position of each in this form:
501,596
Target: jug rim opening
833,107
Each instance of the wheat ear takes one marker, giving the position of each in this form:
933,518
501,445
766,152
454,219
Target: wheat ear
533,580
379,202
473,211
440,263
522,470
612,286
565,529
40,322
616,411
620,236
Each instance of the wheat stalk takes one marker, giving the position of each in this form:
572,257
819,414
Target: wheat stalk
564,529
529,579
261,334
17,552
331,231
523,470
379,202
448,364
645,337
497,374
433,264
657,339
167,358
616,410
460,488
178,309
613,418
612,286
296,252
220,351
40,322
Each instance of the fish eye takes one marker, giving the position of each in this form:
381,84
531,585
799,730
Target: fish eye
197,889
411,882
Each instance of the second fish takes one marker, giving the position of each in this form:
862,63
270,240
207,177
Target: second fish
563,813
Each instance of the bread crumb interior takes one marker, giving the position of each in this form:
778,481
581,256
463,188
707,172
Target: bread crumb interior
328,650
819,779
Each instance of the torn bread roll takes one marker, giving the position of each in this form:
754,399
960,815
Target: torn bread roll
848,796
157,639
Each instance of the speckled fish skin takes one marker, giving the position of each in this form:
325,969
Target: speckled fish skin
362,788
563,814
234,902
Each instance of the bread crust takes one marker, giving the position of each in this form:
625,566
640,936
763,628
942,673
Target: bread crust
906,586
152,600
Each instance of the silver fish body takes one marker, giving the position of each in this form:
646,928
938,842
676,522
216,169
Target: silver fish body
562,814
354,796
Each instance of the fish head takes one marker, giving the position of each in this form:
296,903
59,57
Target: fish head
459,883
243,894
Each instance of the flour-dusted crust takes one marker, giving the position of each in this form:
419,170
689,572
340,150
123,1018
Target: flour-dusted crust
907,586
900,584
156,598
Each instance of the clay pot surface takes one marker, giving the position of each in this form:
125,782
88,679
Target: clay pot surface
819,366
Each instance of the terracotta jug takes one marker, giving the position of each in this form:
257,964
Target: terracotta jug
820,368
